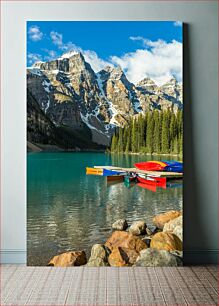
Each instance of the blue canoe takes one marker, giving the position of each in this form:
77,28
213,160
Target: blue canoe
107,172
173,166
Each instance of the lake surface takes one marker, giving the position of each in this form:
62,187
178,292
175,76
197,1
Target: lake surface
67,210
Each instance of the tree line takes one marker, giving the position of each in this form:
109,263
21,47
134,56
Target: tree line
151,132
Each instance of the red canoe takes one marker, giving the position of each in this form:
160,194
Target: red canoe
150,180
151,166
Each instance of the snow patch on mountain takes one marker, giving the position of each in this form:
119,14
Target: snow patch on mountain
112,110
46,84
69,54
135,102
35,71
85,119
47,105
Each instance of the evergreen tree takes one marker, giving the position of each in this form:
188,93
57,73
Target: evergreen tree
150,133
120,141
145,129
114,143
165,133
137,135
153,132
128,141
133,137
141,132
157,132
125,136
180,145
173,131
180,131
175,148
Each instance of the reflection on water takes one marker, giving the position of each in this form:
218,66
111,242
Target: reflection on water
68,210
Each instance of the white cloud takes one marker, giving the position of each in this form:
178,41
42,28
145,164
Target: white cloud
96,62
56,38
177,23
69,46
90,56
33,57
34,33
147,43
159,61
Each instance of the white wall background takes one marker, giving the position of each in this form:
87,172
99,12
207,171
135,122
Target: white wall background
200,205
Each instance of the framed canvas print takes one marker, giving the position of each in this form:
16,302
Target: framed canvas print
105,143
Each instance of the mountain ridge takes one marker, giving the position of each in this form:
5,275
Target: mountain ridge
71,94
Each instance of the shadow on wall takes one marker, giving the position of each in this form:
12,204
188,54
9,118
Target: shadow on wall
192,227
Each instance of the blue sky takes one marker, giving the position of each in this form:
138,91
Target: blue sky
102,43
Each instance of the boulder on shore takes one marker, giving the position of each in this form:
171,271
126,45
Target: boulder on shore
166,241
177,253
97,262
126,240
160,220
138,228
178,231
174,226
157,258
99,256
121,257
99,250
147,240
120,225
69,259
149,232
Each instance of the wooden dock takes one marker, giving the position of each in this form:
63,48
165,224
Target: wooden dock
149,173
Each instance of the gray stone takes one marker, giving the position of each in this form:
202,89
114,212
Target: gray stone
157,258
99,256
120,225
99,251
97,262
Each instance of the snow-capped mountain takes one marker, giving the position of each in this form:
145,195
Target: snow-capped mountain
71,94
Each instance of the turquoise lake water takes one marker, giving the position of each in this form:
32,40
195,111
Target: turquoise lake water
67,210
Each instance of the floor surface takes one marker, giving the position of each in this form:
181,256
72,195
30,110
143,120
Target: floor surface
79,286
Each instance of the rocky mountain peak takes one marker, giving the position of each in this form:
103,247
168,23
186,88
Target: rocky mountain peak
70,93
37,64
172,92
77,63
116,73
66,63
147,84
146,80
172,82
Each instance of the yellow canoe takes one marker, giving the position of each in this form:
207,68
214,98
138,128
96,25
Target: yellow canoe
94,171
158,162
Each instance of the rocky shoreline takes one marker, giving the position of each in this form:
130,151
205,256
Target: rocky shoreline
48,148
135,245
148,154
